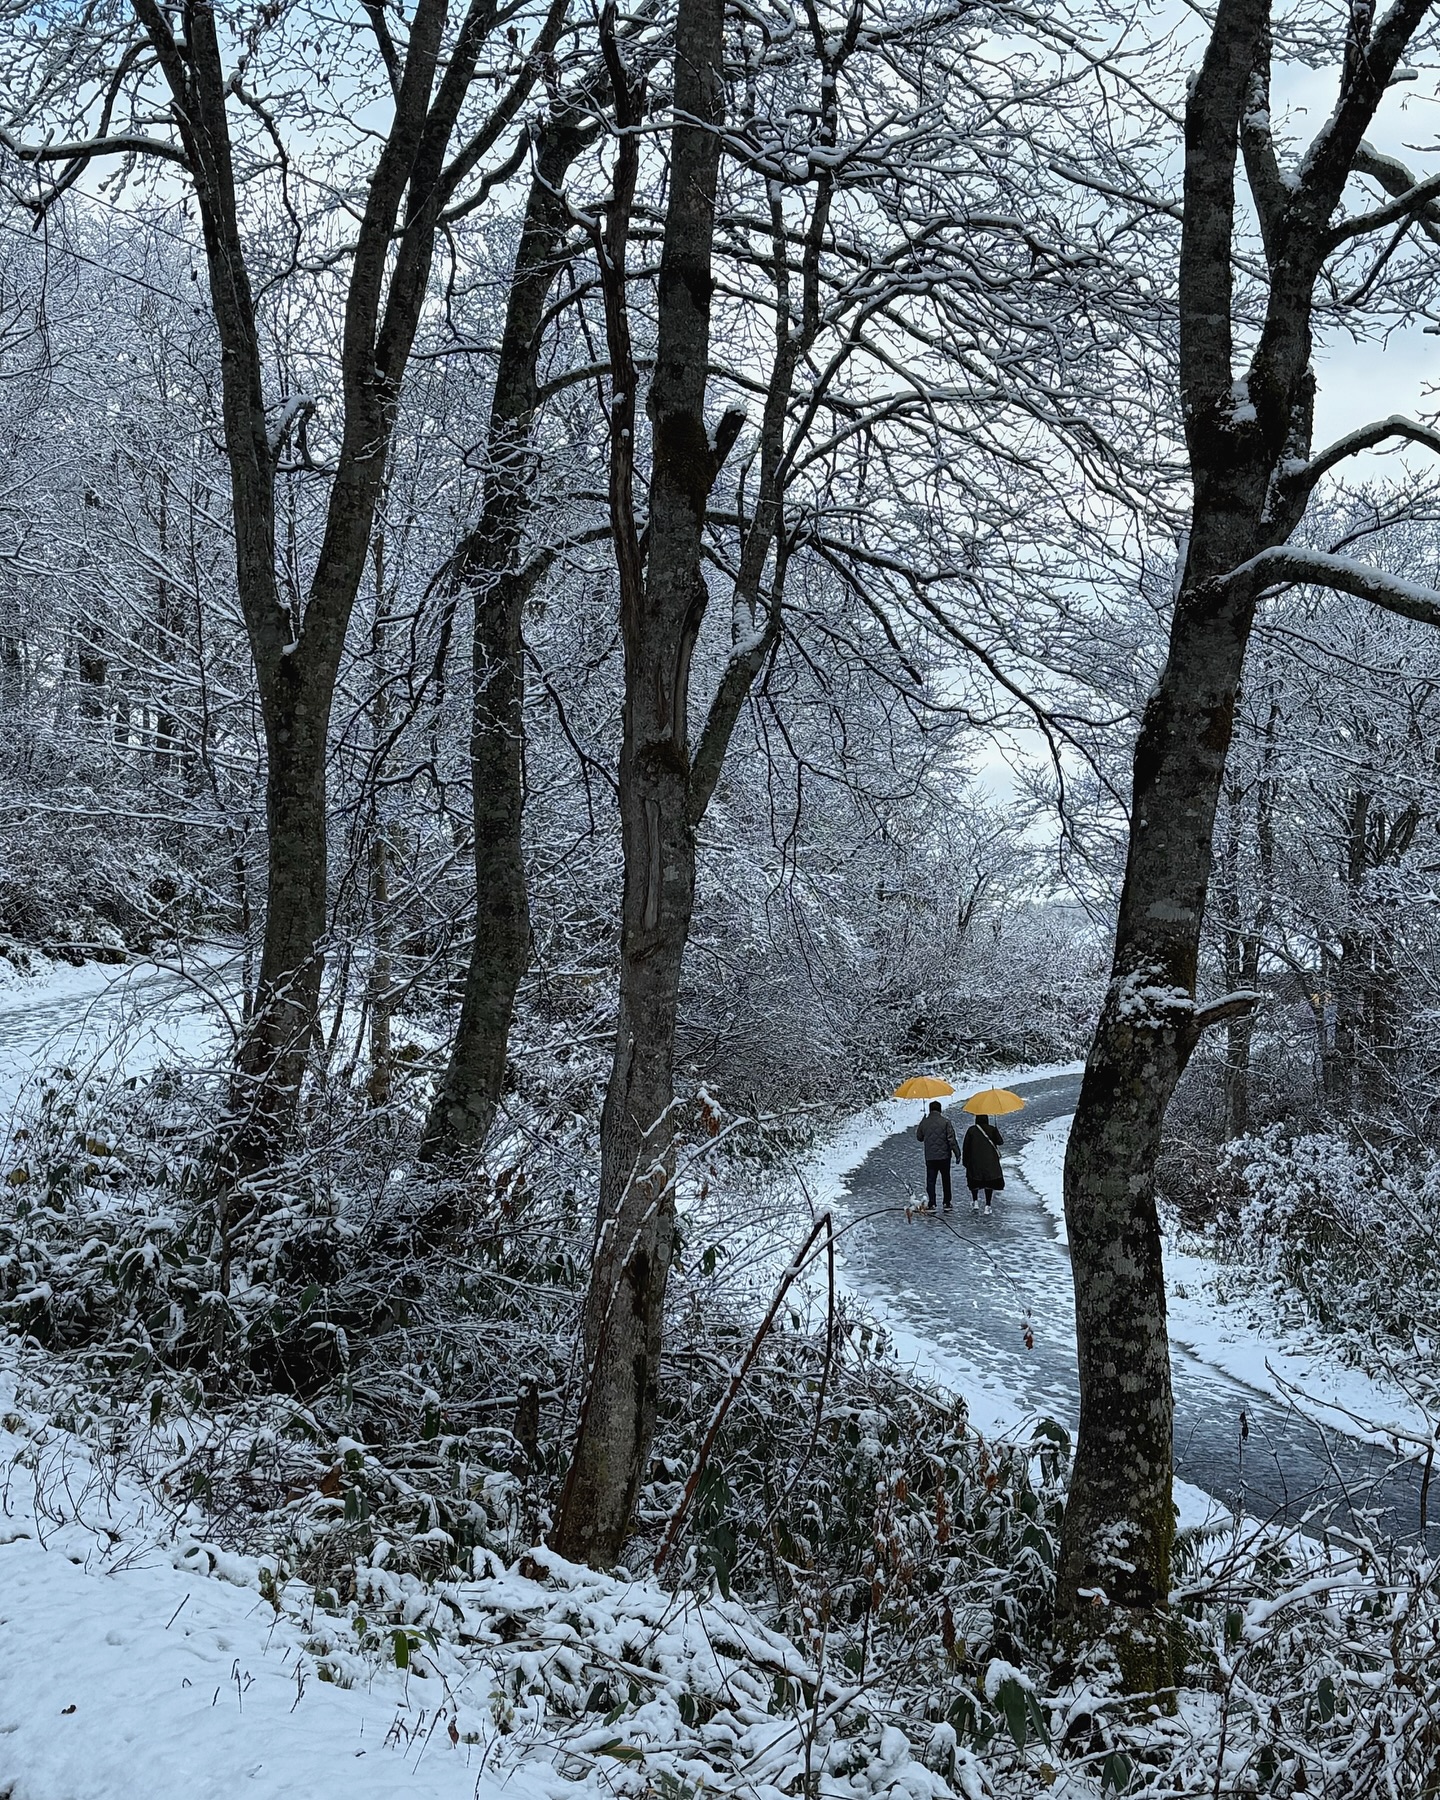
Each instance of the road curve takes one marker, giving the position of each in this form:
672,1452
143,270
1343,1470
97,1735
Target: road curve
976,1288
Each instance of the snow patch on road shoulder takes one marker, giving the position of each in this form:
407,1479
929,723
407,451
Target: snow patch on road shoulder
1042,1165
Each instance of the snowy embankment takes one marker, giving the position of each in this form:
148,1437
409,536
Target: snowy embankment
104,1021
1212,1314
138,1657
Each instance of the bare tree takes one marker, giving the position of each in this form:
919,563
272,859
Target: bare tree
1253,470
169,68
892,393
662,794
491,565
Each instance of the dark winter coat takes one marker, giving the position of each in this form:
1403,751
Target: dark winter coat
937,1134
981,1156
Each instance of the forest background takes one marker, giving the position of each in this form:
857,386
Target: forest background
615,565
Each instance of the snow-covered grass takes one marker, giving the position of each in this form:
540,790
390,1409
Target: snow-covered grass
155,1476
215,1673
138,1654
249,1602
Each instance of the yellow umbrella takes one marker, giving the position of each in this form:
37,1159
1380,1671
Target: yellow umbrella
993,1100
923,1087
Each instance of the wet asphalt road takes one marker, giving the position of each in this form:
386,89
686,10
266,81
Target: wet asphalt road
971,1286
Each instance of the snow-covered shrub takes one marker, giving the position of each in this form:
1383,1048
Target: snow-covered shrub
384,1365
1353,1230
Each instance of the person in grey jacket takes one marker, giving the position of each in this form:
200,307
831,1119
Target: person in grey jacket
937,1134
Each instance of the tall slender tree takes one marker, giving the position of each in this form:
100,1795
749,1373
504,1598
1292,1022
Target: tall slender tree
1248,422
492,567
662,604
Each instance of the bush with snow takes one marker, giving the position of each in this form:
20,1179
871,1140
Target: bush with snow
1353,1230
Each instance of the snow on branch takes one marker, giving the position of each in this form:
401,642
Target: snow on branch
1406,205
120,143
295,408
1284,566
1397,180
1146,1000
1228,1006
1305,477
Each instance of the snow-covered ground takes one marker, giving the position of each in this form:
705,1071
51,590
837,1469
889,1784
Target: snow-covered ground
103,1021
137,1659
1212,1316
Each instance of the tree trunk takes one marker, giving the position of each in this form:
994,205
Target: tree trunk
265,1091
1249,446
488,565
382,987
410,184
1119,1519
12,676
93,670
469,1092
1352,964
1246,942
169,640
381,992
1228,879
659,620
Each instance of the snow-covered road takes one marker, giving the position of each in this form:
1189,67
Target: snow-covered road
987,1306
103,1022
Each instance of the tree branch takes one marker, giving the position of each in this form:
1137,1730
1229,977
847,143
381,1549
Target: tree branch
390,56
1229,1006
119,143
1406,205
746,661
1284,566
1354,442
1257,143
1396,179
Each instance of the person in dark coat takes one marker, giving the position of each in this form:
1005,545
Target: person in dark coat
980,1154
937,1134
